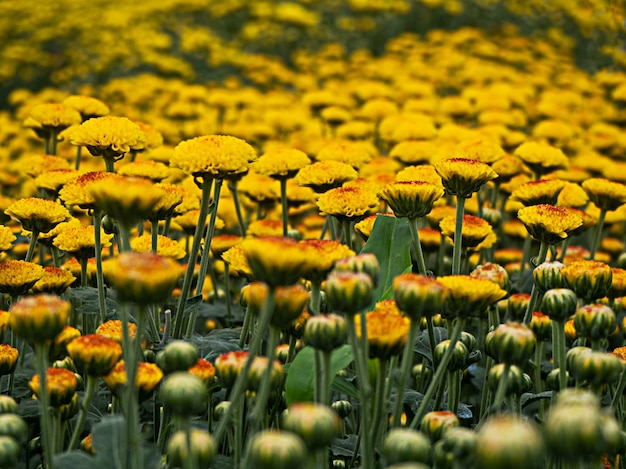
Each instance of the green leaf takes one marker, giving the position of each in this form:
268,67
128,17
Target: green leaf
390,242
300,378
343,386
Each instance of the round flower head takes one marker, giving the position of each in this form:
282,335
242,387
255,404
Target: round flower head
366,225
486,150
166,207
321,256
53,180
76,192
154,138
148,169
214,156
606,194
462,177
55,116
94,354
618,283
60,385
55,280
411,199
8,359
40,317
317,424
265,227
474,230
109,136
6,238
541,158
148,377
507,167
166,247
418,296
355,154
40,163
134,203
204,370
38,215
549,224
589,279
348,202
80,241
424,172
281,163
222,243
324,175
274,260
144,278
87,106
17,277
112,329
414,152
58,349
469,296
541,191
235,257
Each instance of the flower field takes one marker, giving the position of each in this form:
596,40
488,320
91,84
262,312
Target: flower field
298,234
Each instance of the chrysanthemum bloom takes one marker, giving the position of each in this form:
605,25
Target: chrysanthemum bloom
6,238
366,225
143,277
414,152
4,321
55,280
606,194
355,154
80,241
75,267
485,150
324,175
589,279
222,243
166,246
153,170
462,177
236,259
317,424
541,191
94,354
281,163
549,224
154,138
189,220
541,158
468,296
58,348
54,116
112,329
131,205
40,163
8,359
418,296
60,385
38,215
229,365
40,317
507,167
273,260
265,227
289,302
147,378
87,106
618,283
474,231
76,192
411,199
17,277
109,136
215,156
321,256
347,203
349,292
53,180
204,370
595,321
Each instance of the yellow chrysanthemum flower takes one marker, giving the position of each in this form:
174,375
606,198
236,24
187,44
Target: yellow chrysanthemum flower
604,193
76,192
148,376
386,333
281,163
94,354
6,238
483,149
166,247
549,224
265,227
507,167
319,257
80,241
474,230
324,175
355,154
38,215
411,199
541,158
172,198
237,262
462,177
348,202
55,116
52,181
213,156
17,277
60,386
365,226
55,280
423,172
541,191
39,318
112,329
153,170
414,152
469,296
108,136
274,260
35,165
87,106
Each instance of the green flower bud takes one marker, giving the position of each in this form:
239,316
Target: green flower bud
460,444
178,355
9,451
271,449
7,405
594,368
409,465
489,345
435,423
420,371
184,393
513,343
366,263
547,276
220,409
517,305
559,303
67,411
228,366
342,408
349,292
589,279
507,441
458,361
552,380
595,321
325,332
516,383
469,340
418,296
541,325
405,445
14,426
257,372
316,424
339,464
202,449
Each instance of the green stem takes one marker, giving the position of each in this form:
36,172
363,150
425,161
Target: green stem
486,392
558,355
459,324
229,306
534,294
92,383
285,207
260,406
454,390
326,376
379,395
525,257
431,335
405,371
597,235
193,255
52,147
619,390
34,236
539,351
317,380
502,387
347,232
97,224
124,233
47,437
458,236
417,246
77,159
109,163
154,231
316,297
235,194
245,329
206,254
83,271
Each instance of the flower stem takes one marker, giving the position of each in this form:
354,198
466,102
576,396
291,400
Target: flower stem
458,236
285,207
92,382
454,390
232,185
534,294
77,159
97,224
260,406
417,246
193,255
31,246
154,231
379,395
405,371
124,233
347,231
558,351
52,147
47,437
459,324
597,235
326,380
502,387
109,163
316,297
539,350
